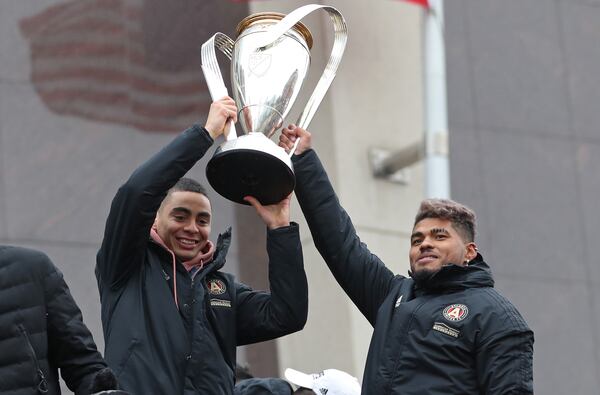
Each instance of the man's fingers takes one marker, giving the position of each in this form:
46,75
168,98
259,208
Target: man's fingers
287,199
227,129
283,139
226,100
289,133
253,201
220,113
229,112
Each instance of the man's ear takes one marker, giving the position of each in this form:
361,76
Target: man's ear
471,251
155,224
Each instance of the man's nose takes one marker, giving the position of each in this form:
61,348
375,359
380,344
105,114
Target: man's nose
426,244
191,227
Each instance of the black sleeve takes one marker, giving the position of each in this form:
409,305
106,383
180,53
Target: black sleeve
263,315
71,346
361,274
504,353
135,205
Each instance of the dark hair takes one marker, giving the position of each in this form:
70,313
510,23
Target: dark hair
185,185
463,219
188,185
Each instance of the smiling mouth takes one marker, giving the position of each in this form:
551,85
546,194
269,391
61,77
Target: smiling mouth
187,243
427,259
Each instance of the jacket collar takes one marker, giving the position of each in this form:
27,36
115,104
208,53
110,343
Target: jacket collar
452,277
218,261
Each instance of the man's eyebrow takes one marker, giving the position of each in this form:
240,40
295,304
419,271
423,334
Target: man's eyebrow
438,230
416,234
181,210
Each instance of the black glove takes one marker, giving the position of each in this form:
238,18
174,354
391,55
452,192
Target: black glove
104,380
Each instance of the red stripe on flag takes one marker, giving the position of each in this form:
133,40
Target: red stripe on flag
422,3
139,108
124,61
104,76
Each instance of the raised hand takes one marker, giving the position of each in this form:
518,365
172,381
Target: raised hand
288,137
275,215
220,113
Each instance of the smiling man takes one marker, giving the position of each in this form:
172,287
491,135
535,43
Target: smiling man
171,318
443,233
443,330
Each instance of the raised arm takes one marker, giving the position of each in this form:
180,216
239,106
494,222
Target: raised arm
267,315
263,315
361,274
134,207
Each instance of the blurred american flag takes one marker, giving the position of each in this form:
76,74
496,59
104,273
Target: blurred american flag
128,62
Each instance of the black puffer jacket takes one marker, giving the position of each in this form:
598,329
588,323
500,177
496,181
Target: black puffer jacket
41,329
153,347
453,334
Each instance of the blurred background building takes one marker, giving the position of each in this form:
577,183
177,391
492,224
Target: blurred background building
91,88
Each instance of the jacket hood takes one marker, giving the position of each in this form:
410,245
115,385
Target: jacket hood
223,243
476,274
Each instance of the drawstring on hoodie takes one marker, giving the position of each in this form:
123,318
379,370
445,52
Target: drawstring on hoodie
175,277
198,261
174,281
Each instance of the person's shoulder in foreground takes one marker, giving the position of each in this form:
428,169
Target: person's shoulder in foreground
42,329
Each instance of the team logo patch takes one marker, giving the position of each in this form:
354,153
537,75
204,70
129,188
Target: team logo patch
456,312
220,303
216,287
446,330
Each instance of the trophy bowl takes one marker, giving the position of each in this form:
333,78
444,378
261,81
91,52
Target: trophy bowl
269,62
253,166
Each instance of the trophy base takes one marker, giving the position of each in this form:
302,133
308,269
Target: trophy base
237,173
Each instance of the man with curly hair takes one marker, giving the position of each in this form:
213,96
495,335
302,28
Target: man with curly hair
442,330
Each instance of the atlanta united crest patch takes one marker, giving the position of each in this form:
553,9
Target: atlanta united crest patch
456,312
216,287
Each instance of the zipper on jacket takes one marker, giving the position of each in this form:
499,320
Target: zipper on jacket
43,384
398,362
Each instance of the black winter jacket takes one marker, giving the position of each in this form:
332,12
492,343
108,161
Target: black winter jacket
41,329
453,334
153,347
262,386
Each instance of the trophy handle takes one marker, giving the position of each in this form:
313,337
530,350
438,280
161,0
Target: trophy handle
339,45
212,72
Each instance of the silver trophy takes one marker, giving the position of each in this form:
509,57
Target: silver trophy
269,61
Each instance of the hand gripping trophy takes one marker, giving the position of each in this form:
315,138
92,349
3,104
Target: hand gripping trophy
269,61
